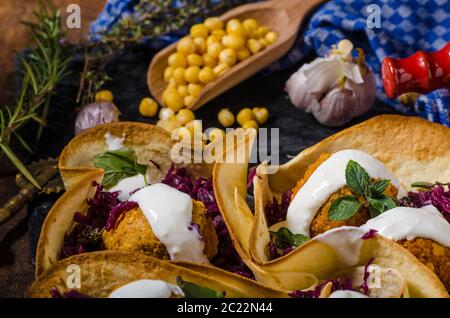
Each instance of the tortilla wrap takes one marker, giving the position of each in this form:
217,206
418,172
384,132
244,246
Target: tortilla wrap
148,141
75,164
412,148
103,272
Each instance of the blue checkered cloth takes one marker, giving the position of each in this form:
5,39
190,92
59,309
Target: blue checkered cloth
406,26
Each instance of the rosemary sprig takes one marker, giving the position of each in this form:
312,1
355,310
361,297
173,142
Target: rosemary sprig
43,68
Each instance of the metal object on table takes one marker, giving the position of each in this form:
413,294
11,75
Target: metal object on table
46,173
421,72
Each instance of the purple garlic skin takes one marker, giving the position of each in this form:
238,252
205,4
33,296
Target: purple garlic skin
94,114
340,106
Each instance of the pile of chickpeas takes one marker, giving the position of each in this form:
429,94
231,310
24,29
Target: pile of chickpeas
209,51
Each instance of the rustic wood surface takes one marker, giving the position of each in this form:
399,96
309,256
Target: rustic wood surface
16,271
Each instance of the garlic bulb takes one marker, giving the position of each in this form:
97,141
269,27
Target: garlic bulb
336,88
95,114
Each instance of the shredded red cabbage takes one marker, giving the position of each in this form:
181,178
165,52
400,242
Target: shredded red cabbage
364,287
251,176
343,283
117,211
276,212
438,196
55,293
369,234
202,190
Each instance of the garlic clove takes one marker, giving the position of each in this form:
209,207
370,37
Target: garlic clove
94,114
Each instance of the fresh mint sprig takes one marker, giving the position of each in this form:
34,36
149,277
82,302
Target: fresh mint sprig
284,238
118,165
372,191
192,290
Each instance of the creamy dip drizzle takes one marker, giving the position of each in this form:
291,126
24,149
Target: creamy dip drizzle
347,294
113,142
128,185
147,288
405,223
328,178
346,241
169,213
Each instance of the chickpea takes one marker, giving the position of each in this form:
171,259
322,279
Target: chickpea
228,56
168,72
234,27
225,117
262,31
191,74
250,124
182,134
221,69
264,42
208,60
242,54
178,75
185,115
244,115
195,127
188,100
195,89
174,100
213,23
206,75
168,124
233,41
261,114
177,60
219,33
186,46
212,39
254,46
214,49
183,90
199,30
166,113
194,60
250,26
104,96
148,107
271,37
200,45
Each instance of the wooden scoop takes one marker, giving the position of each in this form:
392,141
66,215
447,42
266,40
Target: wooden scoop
282,16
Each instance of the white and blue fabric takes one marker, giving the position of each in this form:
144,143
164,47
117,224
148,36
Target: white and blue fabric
406,26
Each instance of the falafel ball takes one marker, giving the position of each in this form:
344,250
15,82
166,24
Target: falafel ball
133,233
433,255
321,223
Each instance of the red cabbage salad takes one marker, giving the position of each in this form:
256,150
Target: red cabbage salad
105,209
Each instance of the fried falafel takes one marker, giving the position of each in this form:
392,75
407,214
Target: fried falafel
133,233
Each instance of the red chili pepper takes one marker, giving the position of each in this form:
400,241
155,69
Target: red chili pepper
421,72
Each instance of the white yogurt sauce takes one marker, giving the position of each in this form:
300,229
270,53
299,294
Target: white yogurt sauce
127,185
346,241
113,142
328,178
405,223
169,213
347,294
147,288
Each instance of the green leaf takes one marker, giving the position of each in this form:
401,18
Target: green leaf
380,204
284,238
118,164
377,187
344,208
357,178
192,290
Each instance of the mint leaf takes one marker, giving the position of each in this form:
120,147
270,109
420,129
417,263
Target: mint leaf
192,290
377,187
357,178
344,208
118,165
380,204
284,238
